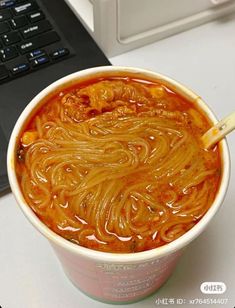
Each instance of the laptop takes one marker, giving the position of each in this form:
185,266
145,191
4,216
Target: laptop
40,42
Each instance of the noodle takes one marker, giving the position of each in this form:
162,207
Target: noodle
114,167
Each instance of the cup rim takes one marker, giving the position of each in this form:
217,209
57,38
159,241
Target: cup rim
158,252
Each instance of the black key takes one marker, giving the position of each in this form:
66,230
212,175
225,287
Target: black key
35,29
4,27
5,14
39,41
35,53
11,38
25,8
8,53
19,22
40,61
6,3
59,53
36,16
3,72
20,68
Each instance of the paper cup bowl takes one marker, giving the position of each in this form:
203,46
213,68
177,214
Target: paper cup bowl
116,277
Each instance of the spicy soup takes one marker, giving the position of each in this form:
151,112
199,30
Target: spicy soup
117,165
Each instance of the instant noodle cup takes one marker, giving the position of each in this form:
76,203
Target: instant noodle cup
106,276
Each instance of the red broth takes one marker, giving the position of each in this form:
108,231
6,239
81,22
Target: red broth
117,165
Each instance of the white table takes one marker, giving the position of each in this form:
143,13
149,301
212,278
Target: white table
30,275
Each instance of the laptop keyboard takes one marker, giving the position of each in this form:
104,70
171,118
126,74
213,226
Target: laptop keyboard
27,39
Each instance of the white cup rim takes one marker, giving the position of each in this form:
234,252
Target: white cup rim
108,256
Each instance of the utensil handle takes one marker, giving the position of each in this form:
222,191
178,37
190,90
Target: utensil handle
219,131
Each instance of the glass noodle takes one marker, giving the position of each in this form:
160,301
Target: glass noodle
117,165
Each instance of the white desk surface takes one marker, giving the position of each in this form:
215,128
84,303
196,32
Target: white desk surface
30,275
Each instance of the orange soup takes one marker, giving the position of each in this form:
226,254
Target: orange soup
117,164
